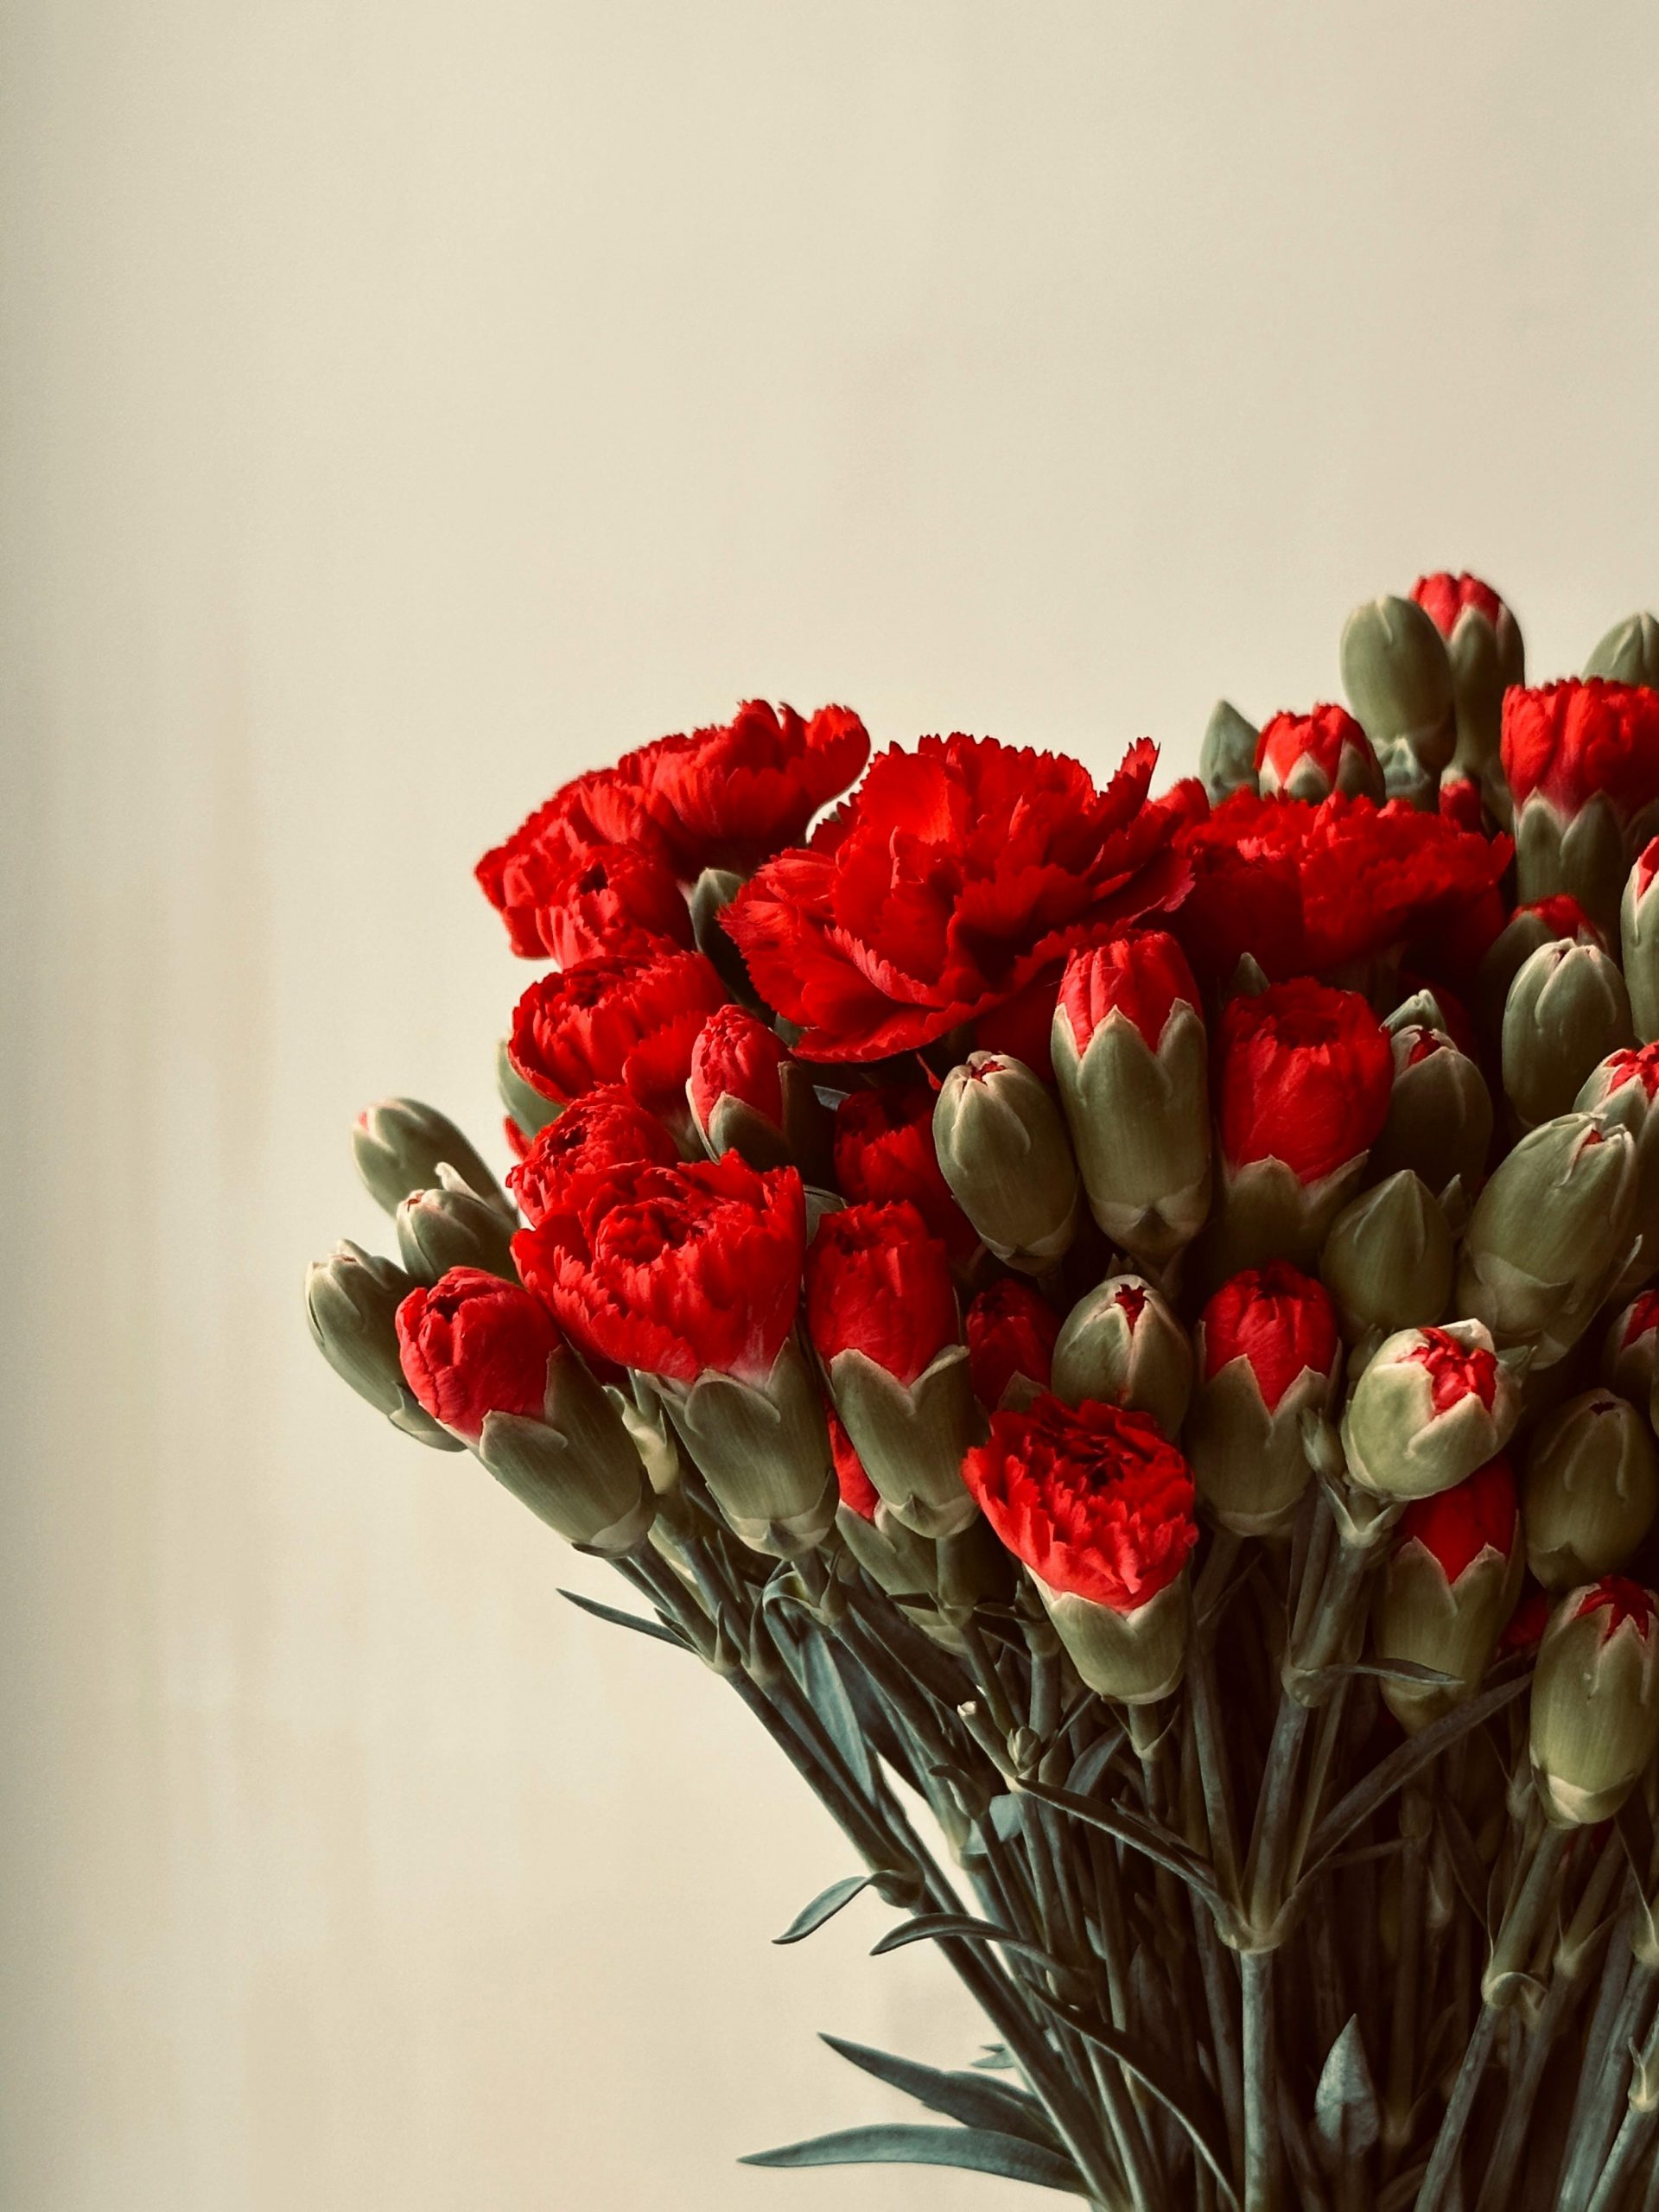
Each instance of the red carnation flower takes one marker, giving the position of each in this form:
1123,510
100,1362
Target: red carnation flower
732,795
1090,1497
858,1493
1457,1525
1143,978
582,1147
1304,1078
884,1149
522,877
676,1270
1566,742
737,1056
1443,598
619,899
1281,1321
878,1283
951,879
1456,1370
1309,756
1011,1332
474,1346
627,1022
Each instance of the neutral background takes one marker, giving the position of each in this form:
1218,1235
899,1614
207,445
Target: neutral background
404,404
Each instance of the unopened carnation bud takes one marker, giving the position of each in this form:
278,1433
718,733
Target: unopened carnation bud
1099,1507
748,1094
1003,1149
1595,1700
1121,1344
1268,1353
1011,1331
1310,756
881,1313
1542,923
1430,1407
1547,1234
1132,1065
1449,1587
1227,754
710,895
399,1146
1629,653
528,1111
1567,1010
1439,1116
1592,1484
1639,931
1398,679
1388,1260
453,1227
1305,1077
1623,1093
350,1302
1630,1351
1484,645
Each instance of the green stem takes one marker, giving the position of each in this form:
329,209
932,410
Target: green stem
1261,2178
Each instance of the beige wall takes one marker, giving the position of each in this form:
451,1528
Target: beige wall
402,405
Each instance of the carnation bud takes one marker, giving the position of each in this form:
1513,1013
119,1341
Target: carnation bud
1309,756
1431,1406
1449,1587
1398,679
1227,754
1593,1485
1269,1352
1121,1344
1638,931
882,1311
1002,1149
710,895
530,1111
1388,1260
350,1302
1623,1092
1440,1117
1483,646
1567,1010
748,1094
1547,1234
1630,1351
1131,1063
399,1146
1629,653
1528,927
575,1466
1595,1702
453,1227
763,1449
1011,1332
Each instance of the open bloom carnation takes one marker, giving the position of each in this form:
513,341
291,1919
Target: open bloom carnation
618,898
1090,1497
606,1020
474,1346
951,879
606,1130
1305,1077
878,1283
676,1270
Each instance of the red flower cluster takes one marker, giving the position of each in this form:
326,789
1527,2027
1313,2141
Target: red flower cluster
1090,1497
954,877
1455,1371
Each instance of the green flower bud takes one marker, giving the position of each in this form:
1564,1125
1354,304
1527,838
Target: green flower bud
1630,1351
1122,1344
1440,1122
1450,1585
1133,1658
1398,679
1593,1485
912,1437
453,1227
577,1468
1629,653
350,1302
763,1449
1431,1406
1003,1149
399,1146
711,894
1639,931
528,1111
1227,755
1595,1702
1583,854
1387,1259
1486,658
1548,1233
1623,1093
1567,1010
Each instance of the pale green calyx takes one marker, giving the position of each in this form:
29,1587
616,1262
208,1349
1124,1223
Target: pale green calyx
1136,1657
1451,1627
1140,1124
1629,653
453,1227
1440,1118
1638,932
1121,1344
1227,754
1594,1723
763,1449
912,1437
577,1468
1387,1259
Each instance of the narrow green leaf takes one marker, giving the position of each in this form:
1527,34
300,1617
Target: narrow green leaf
995,2058
967,2097
660,1629
945,1927
822,1681
1146,1836
974,2148
1390,1670
1091,1767
824,1906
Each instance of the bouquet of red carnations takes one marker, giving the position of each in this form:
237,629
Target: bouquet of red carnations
1124,1329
